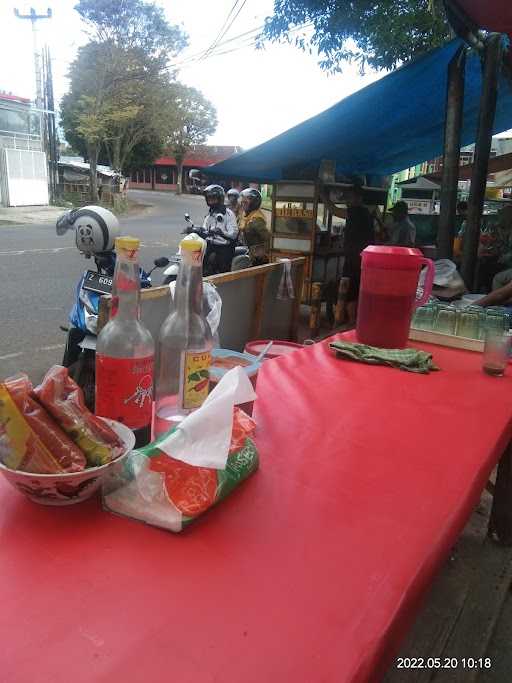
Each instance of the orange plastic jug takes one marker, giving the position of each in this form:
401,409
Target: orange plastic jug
388,294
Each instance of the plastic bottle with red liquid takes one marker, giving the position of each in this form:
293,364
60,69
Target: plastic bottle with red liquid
125,351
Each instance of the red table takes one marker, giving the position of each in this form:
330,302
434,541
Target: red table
312,571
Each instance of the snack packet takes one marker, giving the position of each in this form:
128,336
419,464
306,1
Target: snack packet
64,400
20,447
159,490
67,454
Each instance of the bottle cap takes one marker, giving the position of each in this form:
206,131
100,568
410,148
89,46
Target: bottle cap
126,242
192,243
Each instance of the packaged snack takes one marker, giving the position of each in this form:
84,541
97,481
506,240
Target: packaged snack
160,490
64,400
20,447
67,454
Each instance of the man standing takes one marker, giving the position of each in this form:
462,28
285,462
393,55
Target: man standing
358,234
403,230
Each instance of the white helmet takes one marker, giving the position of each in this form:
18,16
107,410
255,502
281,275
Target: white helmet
95,228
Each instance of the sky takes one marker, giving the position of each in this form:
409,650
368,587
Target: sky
257,93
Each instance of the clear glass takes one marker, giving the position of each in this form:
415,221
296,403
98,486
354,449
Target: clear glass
496,352
468,323
496,319
446,320
184,330
423,318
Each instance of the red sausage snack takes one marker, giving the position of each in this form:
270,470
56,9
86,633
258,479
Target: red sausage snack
64,400
67,454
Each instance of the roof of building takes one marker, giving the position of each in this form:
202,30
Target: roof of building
419,183
71,162
392,124
201,156
9,97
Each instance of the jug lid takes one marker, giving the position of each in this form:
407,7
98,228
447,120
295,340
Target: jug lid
387,250
392,258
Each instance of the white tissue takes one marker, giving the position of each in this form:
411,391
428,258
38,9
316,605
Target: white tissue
203,438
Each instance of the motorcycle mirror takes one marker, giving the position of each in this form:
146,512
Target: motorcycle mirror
187,217
63,225
161,262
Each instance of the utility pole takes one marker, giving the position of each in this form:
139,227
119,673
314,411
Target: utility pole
34,18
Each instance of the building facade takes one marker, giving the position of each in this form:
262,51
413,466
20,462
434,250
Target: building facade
163,174
23,166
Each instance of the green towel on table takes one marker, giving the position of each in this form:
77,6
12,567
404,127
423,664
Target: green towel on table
412,360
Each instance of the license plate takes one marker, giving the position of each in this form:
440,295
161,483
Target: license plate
97,282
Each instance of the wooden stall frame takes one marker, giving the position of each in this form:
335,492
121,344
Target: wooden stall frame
260,273
290,253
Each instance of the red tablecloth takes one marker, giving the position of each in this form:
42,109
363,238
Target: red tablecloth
311,571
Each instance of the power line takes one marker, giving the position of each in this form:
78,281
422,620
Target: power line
221,33
230,24
250,40
194,57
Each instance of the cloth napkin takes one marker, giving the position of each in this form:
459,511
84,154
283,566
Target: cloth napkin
411,360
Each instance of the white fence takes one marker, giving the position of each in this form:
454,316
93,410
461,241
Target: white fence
23,178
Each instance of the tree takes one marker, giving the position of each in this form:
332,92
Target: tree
86,110
118,80
144,153
381,34
192,119
135,25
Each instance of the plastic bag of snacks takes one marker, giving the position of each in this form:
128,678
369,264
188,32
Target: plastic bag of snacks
64,400
69,457
20,447
160,490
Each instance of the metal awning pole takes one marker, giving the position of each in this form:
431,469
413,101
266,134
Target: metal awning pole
451,156
493,54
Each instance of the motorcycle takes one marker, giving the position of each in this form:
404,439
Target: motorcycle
240,261
80,350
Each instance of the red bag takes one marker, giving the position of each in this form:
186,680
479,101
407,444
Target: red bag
65,452
64,400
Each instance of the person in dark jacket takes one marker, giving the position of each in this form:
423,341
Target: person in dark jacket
358,234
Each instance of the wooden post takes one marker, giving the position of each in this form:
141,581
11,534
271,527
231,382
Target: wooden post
451,157
316,308
500,523
341,303
493,54
298,285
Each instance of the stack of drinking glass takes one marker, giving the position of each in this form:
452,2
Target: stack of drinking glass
471,322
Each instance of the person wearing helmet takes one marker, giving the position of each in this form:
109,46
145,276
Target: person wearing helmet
253,227
233,196
221,226
96,228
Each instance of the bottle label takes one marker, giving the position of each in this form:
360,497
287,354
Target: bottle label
195,378
124,389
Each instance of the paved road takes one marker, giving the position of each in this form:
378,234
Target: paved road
39,272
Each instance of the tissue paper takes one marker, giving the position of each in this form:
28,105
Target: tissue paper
202,439
162,491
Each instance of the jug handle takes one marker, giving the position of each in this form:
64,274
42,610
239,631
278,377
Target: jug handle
429,281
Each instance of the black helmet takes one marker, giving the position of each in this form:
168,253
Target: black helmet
214,196
232,195
252,199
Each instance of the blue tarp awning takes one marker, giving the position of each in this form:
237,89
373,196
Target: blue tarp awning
388,126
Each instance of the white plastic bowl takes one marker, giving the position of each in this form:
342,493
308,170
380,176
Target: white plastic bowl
71,487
